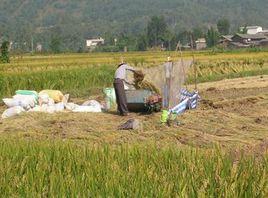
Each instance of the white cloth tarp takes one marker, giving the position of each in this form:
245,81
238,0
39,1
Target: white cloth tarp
91,106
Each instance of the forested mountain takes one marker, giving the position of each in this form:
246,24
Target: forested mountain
74,20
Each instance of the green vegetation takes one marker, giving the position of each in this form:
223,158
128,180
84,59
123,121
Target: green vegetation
32,168
223,26
212,37
73,21
55,45
66,155
75,81
84,74
156,31
37,166
4,52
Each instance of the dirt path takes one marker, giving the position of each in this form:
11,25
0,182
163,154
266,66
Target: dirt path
232,113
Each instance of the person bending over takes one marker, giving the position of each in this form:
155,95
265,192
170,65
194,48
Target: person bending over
119,79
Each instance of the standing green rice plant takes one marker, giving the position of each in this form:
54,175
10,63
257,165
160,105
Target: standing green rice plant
33,169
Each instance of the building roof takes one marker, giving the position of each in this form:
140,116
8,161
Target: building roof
253,27
201,40
251,36
264,41
264,31
95,39
227,37
236,44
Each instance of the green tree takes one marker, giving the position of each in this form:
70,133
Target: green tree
128,41
197,33
156,31
55,45
86,19
212,37
243,30
5,52
142,43
168,38
184,37
223,26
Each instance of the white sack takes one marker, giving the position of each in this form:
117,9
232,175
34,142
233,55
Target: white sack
10,102
13,111
59,107
27,101
71,106
44,109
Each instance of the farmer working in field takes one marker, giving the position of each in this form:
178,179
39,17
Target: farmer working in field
119,80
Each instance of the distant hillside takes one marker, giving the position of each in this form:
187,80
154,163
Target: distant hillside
84,18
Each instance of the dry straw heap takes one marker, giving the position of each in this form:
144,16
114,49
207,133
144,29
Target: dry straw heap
140,83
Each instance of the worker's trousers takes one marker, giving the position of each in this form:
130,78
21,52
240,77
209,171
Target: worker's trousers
121,98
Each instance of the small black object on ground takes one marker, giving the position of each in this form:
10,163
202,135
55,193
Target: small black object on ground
132,124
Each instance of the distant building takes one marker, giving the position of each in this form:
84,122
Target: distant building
263,43
93,43
248,38
264,32
252,29
39,47
225,40
10,47
200,44
115,41
243,41
186,46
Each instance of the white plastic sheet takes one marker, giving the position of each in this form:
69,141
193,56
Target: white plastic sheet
87,109
71,106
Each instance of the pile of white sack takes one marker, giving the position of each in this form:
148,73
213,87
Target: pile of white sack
47,101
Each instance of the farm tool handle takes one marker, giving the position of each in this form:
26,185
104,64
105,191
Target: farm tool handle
178,48
195,70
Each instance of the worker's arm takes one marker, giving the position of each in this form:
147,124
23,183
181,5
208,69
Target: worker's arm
129,83
130,68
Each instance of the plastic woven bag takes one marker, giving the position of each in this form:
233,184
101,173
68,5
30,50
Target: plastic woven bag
27,93
110,97
56,95
13,111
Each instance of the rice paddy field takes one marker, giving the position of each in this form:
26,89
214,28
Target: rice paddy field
80,74
217,150
53,169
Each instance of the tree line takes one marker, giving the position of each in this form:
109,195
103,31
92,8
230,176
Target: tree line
63,26
157,35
